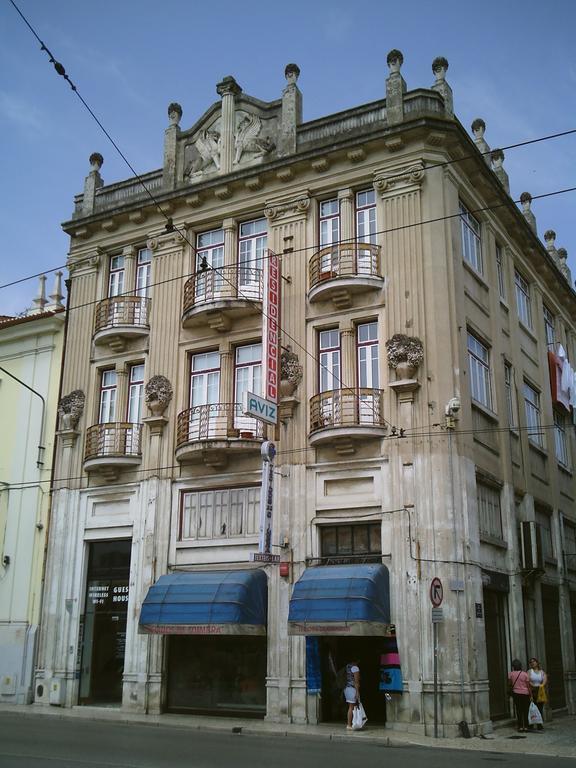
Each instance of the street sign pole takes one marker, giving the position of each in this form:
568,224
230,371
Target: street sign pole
435,641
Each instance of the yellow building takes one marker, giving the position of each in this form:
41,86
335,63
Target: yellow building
30,364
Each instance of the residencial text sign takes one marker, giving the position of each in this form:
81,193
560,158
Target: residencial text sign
270,326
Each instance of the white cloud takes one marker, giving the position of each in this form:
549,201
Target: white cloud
22,113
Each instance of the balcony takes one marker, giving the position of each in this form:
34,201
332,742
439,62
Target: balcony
119,319
216,297
341,270
112,447
342,417
213,433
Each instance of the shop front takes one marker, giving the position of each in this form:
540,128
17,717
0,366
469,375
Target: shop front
216,647
344,612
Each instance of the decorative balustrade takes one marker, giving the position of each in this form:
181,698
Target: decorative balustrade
122,311
222,283
218,421
344,260
114,439
347,408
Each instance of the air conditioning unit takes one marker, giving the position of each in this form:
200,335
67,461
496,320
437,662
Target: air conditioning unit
531,557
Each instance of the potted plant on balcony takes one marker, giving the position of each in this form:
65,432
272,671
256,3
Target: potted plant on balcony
405,355
70,409
158,394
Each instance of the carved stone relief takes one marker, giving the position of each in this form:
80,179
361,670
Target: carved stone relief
249,141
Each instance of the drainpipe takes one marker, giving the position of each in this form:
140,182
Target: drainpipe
40,460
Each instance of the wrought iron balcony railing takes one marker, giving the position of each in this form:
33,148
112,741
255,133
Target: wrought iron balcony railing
347,408
121,311
113,439
222,283
344,260
219,421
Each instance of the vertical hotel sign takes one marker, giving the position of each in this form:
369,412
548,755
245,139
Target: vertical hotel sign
271,326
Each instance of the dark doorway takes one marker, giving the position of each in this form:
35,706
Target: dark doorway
103,627
335,653
554,666
223,675
495,628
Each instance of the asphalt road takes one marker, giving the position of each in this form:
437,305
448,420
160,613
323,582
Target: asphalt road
28,741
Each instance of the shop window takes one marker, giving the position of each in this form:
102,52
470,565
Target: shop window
220,514
560,439
523,299
544,520
500,272
532,409
471,244
479,370
489,510
569,545
356,543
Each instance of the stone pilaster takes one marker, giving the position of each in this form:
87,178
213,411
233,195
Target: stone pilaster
439,68
230,227
227,379
129,253
171,135
122,370
92,183
291,115
395,88
228,89
348,347
346,199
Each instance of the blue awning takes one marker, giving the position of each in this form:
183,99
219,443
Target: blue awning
207,603
341,600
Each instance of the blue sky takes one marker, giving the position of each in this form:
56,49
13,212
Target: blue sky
511,63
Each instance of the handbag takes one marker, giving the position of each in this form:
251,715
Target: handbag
359,717
512,684
542,698
534,716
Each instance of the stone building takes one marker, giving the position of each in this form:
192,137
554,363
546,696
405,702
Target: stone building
31,347
418,436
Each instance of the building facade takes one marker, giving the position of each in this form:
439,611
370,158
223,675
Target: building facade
418,434
30,363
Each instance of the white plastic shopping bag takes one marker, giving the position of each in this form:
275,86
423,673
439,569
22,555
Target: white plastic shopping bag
359,717
534,716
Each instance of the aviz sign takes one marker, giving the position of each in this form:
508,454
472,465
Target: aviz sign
270,326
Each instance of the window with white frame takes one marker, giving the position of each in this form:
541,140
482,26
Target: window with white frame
569,544
509,393
108,391
252,244
135,393
329,231
479,370
471,243
523,299
220,514
560,439
368,372
532,408
329,360
549,328
489,510
143,268
500,272
116,276
247,378
209,262
365,230
544,520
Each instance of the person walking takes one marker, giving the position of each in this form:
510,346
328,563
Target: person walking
352,690
538,681
519,688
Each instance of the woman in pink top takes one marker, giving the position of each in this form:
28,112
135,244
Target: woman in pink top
519,687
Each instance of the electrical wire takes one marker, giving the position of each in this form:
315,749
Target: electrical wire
405,436
62,72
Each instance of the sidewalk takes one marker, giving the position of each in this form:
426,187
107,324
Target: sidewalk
558,739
